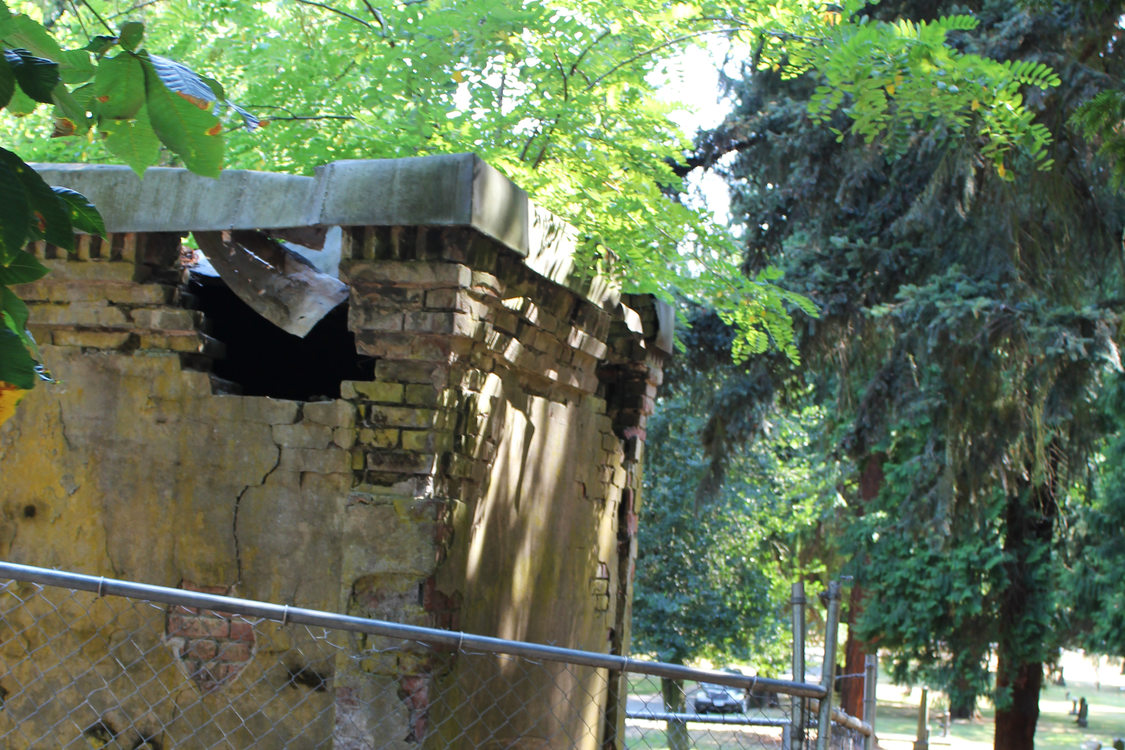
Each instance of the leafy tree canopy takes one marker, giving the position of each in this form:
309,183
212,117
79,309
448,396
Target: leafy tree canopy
558,95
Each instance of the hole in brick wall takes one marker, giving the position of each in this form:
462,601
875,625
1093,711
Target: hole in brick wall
263,360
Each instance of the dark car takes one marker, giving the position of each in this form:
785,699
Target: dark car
719,699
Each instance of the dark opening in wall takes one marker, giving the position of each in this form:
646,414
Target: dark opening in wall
263,360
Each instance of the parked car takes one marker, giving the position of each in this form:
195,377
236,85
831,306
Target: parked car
719,699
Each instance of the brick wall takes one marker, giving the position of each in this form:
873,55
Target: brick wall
485,478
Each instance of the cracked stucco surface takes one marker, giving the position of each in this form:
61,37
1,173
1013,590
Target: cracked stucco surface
134,468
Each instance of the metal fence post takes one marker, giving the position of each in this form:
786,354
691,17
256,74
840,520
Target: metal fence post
797,714
870,677
828,672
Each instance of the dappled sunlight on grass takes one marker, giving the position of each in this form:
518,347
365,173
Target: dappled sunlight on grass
897,717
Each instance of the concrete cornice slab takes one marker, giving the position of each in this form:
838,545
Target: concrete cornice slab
176,200
443,190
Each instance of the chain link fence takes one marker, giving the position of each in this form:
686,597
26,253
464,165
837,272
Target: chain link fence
89,662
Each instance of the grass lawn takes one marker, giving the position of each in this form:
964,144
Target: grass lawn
897,717
897,714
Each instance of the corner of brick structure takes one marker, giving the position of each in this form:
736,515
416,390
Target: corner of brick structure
476,465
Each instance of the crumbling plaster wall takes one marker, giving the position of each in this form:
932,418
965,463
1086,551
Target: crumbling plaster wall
484,480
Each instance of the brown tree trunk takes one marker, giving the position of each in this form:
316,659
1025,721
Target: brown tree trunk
1015,724
1029,523
851,688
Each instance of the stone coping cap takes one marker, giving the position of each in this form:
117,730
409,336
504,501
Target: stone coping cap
444,190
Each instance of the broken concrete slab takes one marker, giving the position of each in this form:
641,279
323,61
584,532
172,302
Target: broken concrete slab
275,282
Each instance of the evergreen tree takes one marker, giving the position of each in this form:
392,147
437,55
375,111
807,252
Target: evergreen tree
968,316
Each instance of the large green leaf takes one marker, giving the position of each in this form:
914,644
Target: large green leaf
99,45
16,365
37,76
133,141
75,66
184,81
14,211
47,217
21,104
7,81
23,31
193,133
83,216
22,269
131,35
14,313
119,87
70,113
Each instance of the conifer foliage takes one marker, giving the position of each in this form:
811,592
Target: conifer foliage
969,313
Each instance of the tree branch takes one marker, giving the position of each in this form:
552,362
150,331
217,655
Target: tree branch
377,15
337,11
97,16
651,50
717,145
138,6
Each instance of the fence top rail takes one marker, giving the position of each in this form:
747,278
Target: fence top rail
284,614
742,721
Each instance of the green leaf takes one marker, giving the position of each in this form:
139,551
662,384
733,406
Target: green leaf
119,87
99,45
215,86
23,31
131,35
193,133
21,104
7,81
83,216
22,269
16,365
70,112
75,66
133,141
14,313
36,76
14,211
47,215
183,80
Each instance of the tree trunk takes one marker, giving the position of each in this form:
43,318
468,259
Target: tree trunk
674,702
1015,724
1029,521
851,688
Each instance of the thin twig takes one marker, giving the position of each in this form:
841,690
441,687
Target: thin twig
312,117
77,15
562,73
657,48
345,71
343,13
97,16
378,16
138,6
578,60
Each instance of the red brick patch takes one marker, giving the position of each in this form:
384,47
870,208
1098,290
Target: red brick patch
212,647
414,691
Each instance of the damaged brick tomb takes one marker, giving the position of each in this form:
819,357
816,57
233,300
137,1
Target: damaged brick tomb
455,441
